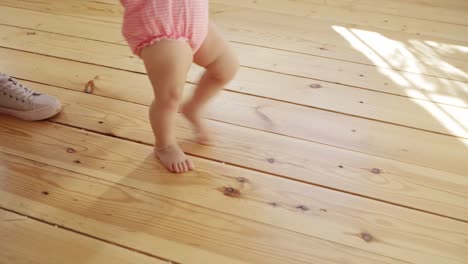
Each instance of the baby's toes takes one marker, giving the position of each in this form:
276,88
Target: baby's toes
184,166
181,167
189,164
175,167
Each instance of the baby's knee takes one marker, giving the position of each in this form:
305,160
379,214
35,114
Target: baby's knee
226,70
169,99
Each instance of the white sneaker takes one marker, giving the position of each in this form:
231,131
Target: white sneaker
21,102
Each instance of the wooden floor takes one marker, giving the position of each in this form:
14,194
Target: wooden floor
343,139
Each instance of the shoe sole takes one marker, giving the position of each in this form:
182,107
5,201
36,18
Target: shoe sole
35,115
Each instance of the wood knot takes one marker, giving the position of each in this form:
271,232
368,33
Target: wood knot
341,166
315,85
302,207
71,150
323,210
271,160
241,179
231,192
100,122
45,193
77,162
89,87
31,33
376,171
367,237
273,204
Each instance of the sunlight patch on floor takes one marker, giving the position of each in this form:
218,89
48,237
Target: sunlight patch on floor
388,54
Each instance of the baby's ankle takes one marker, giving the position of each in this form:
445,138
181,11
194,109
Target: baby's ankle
165,146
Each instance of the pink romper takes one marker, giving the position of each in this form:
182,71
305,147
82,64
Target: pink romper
148,21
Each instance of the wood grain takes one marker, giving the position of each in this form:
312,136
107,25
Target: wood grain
358,75
412,186
155,224
359,18
349,220
376,138
413,113
284,31
436,11
28,241
329,149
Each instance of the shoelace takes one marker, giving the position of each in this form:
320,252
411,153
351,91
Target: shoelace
16,90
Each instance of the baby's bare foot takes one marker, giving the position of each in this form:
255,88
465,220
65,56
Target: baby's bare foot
174,159
204,134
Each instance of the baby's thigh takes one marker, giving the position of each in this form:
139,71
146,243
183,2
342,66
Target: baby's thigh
167,63
214,50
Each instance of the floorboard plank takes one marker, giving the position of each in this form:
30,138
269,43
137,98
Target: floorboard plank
362,18
285,32
159,225
350,220
364,76
370,137
30,241
419,114
380,48
437,11
400,233
275,189
431,190
338,12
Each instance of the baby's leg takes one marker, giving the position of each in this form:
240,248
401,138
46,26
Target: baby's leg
221,65
167,63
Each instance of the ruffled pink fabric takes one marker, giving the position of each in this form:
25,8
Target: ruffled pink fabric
148,21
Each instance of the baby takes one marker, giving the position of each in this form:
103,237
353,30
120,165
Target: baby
169,35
